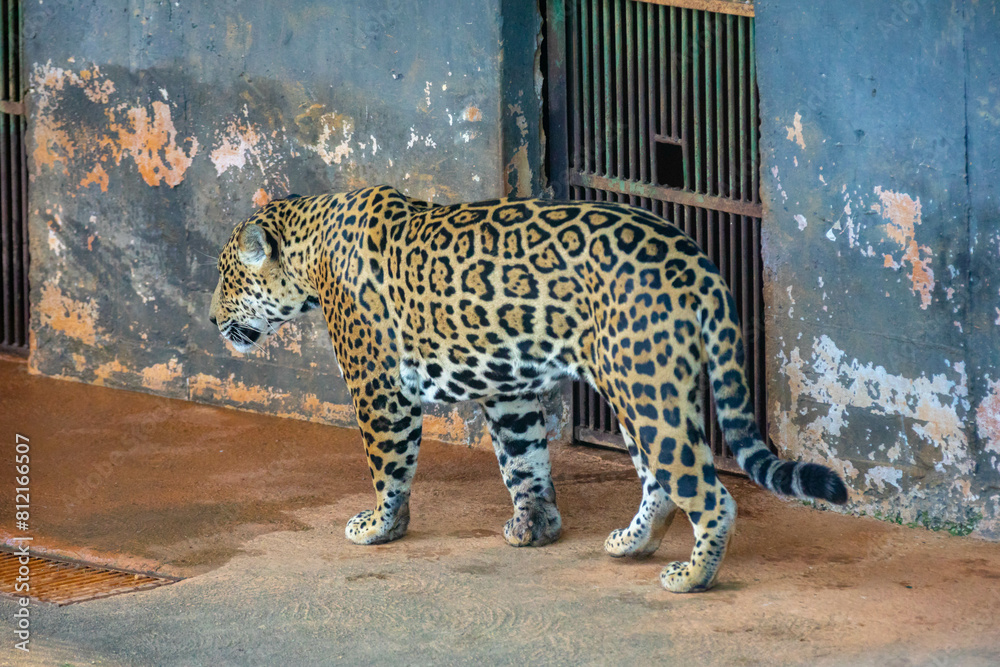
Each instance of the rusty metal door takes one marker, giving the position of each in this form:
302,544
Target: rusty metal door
13,188
654,103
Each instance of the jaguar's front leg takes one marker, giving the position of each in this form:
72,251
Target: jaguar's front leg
390,424
518,431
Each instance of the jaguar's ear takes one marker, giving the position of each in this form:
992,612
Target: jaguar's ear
257,245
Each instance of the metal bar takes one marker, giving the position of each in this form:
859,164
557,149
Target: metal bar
675,74
587,78
620,92
709,126
741,104
683,102
16,238
720,112
609,107
674,195
752,83
575,77
731,106
696,96
595,437
666,20
735,7
631,85
6,279
560,90
598,93
647,126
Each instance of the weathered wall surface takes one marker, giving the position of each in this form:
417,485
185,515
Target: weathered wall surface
156,126
880,178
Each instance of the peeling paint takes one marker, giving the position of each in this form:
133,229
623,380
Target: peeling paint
329,127
903,214
151,142
105,371
879,476
988,419
936,405
210,387
795,131
518,180
147,136
159,376
73,318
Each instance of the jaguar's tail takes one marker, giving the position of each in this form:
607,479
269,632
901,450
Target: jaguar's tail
724,345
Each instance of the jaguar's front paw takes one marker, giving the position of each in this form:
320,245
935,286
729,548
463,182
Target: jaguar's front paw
371,527
533,525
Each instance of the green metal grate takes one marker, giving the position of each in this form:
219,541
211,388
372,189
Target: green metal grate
13,188
655,104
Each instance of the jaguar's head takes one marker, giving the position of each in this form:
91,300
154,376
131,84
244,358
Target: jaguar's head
257,293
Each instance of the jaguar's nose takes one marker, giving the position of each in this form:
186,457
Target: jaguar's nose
211,318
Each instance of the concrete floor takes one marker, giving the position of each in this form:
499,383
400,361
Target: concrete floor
252,510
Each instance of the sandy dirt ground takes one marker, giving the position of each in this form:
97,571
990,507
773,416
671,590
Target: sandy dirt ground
250,510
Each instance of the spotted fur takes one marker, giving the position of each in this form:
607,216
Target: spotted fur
496,302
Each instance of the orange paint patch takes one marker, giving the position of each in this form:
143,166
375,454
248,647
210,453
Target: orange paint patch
342,415
96,176
104,372
903,214
158,377
261,197
151,141
59,312
472,114
210,387
148,136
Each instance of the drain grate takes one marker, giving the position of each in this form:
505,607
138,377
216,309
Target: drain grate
65,582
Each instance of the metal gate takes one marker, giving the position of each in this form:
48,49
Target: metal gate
654,103
13,189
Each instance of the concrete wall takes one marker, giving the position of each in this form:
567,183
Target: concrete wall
156,126
880,158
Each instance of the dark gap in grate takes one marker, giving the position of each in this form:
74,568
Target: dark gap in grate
62,581
669,160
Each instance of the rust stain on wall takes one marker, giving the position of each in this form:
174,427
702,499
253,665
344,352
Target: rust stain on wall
903,214
73,318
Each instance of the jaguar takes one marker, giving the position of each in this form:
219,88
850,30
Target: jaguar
497,302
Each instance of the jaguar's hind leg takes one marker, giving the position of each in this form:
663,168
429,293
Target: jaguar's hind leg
656,512
712,512
518,430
